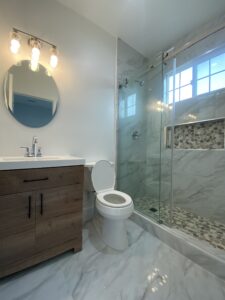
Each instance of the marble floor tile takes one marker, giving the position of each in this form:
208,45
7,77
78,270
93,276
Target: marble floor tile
148,269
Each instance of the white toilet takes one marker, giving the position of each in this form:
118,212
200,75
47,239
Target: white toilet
113,205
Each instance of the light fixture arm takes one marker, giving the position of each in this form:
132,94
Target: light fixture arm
34,37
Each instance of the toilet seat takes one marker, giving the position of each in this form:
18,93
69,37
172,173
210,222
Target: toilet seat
103,179
114,198
103,176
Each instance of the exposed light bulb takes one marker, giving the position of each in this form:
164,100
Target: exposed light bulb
15,43
35,54
34,65
54,58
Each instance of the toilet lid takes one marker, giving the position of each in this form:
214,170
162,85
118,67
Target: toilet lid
103,176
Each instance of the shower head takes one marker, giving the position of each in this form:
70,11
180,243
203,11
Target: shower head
140,82
123,84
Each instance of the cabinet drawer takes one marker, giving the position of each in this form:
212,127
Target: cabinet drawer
16,181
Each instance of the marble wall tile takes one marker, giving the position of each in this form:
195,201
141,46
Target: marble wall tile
153,125
199,179
131,152
214,40
205,107
130,178
130,63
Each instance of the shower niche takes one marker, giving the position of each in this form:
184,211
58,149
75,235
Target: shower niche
198,135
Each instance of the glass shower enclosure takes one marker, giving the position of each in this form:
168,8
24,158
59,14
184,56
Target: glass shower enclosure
170,136
140,96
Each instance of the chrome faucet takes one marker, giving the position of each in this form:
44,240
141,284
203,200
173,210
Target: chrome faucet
34,151
34,146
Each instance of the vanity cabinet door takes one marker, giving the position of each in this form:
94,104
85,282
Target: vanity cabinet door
58,216
17,228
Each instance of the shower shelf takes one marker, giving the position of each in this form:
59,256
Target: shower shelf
201,135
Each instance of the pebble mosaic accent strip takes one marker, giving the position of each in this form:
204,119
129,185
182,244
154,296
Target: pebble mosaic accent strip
201,135
197,226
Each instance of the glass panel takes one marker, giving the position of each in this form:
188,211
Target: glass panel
218,63
131,100
177,80
170,83
186,77
170,97
203,69
131,111
197,209
218,81
203,86
166,153
145,166
138,147
122,108
177,95
186,92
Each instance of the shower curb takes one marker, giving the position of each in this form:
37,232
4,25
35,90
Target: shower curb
200,252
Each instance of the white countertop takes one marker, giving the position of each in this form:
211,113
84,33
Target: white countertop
20,162
91,164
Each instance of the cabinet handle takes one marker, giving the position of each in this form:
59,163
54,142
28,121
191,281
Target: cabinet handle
41,202
38,179
29,207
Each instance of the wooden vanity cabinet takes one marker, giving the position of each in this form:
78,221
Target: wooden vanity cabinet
40,215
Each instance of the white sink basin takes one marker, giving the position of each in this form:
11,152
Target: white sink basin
21,162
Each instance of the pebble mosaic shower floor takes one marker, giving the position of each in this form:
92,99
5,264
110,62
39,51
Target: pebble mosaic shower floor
197,226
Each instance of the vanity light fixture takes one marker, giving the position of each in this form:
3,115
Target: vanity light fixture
35,53
54,57
36,44
15,42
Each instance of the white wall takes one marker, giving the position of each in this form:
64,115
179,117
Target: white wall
84,124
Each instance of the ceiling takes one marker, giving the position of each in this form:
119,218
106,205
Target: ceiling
148,25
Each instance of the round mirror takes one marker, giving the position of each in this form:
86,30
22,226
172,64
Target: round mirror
31,97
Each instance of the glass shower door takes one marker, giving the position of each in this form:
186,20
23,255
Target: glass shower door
194,138
131,141
139,131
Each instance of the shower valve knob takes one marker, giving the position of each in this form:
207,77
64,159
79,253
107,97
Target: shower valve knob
135,135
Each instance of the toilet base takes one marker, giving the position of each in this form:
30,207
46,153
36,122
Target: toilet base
114,234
